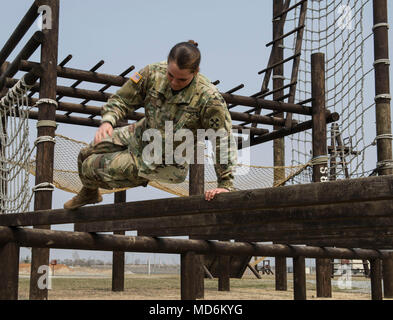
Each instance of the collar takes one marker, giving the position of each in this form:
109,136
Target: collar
183,96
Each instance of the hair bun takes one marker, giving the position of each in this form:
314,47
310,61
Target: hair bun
193,42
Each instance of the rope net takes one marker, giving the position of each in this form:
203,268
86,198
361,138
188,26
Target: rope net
66,176
15,194
336,28
16,162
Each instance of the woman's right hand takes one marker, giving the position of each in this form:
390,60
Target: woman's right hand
104,130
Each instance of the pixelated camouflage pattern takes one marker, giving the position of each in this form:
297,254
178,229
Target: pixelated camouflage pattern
198,106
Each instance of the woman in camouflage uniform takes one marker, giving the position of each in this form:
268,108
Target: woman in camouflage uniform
173,91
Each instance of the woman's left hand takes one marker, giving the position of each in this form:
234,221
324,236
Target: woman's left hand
211,193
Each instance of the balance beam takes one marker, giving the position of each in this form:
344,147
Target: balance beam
42,238
361,191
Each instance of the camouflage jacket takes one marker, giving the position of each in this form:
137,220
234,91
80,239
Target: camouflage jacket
198,106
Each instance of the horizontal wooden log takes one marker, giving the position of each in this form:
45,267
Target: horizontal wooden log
26,237
69,92
366,242
382,234
283,132
114,80
288,230
19,32
81,75
31,46
255,118
266,104
285,219
61,118
93,110
333,192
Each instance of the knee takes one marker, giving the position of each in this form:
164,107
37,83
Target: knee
90,166
84,153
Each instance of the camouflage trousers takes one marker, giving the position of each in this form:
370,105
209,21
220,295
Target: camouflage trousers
109,164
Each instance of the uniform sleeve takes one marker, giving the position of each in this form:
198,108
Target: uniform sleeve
130,95
215,115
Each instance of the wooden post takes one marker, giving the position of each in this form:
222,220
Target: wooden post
9,253
187,276
45,150
118,256
323,276
9,271
299,278
224,273
197,187
3,173
376,279
382,108
319,147
278,144
387,267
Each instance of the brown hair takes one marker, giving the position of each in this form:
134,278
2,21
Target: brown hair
186,55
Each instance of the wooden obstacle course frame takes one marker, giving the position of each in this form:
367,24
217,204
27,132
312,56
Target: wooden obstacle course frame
12,235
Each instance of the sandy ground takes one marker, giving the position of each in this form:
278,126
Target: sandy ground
82,283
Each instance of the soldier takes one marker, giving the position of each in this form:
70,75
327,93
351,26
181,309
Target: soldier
173,91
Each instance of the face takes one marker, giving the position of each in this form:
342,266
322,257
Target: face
179,78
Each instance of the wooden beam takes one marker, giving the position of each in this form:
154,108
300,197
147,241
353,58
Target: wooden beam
319,149
286,231
19,32
289,200
188,285
118,257
30,47
382,105
283,132
9,271
299,278
45,150
376,279
45,238
197,187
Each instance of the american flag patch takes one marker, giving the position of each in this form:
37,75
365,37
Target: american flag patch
136,77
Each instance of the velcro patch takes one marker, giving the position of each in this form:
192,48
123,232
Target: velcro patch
215,118
136,77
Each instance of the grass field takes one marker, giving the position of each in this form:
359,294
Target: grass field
167,287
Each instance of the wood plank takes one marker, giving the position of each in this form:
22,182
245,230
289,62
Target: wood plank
287,199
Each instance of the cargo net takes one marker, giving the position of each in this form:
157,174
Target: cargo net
336,28
15,193
65,175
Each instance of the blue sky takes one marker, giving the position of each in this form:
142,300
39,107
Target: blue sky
231,36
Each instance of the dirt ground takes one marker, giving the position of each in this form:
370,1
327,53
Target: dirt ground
81,283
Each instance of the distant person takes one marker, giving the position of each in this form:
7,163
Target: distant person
172,91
